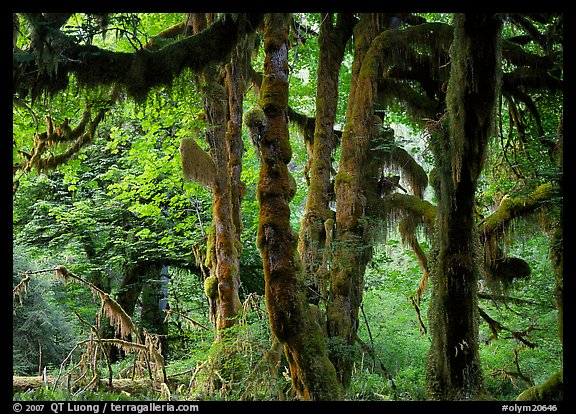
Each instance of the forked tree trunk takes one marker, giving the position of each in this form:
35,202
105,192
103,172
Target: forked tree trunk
318,221
223,106
291,320
226,235
453,367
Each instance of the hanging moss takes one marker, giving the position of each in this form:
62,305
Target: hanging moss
405,202
496,228
197,165
412,170
140,71
418,105
416,53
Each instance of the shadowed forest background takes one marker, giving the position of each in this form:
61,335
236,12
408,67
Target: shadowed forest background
300,206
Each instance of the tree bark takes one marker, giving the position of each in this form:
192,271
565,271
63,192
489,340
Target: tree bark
354,186
132,286
315,225
313,375
453,369
224,139
152,316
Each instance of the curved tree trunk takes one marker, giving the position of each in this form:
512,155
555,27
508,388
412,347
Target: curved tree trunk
291,320
454,370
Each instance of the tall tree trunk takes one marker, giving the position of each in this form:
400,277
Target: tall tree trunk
557,242
453,369
291,320
352,246
223,106
226,235
130,289
318,221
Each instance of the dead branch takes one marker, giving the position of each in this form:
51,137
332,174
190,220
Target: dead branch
415,303
496,327
171,312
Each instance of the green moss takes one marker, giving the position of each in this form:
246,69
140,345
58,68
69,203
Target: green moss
211,287
551,390
414,204
343,177
274,95
511,208
210,247
254,117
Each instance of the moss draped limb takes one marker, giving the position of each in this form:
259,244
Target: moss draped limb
142,70
511,208
414,204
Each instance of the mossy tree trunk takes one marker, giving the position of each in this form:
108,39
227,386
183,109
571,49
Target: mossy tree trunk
453,367
223,101
152,316
355,178
226,265
291,320
557,239
318,221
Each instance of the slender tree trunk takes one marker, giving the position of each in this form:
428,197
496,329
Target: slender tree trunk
454,370
226,234
291,320
318,221
223,106
557,243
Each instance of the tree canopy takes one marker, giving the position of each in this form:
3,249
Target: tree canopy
263,202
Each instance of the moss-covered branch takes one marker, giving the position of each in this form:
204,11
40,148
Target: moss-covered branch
551,390
511,208
138,72
42,159
411,203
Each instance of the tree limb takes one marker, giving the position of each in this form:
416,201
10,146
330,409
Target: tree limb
411,203
511,208
140,71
